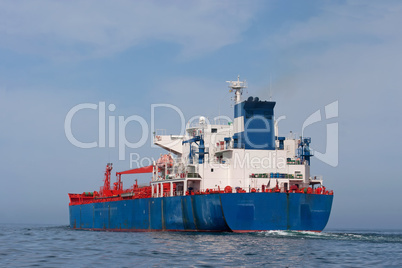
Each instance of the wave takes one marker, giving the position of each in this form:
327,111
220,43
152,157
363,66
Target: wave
374,236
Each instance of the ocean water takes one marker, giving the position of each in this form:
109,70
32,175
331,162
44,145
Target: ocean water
59,246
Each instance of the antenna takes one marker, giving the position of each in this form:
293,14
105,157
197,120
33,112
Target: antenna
270,87
237,87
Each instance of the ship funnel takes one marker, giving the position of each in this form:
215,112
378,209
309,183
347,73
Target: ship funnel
254,124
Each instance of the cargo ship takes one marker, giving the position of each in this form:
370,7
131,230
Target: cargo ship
238,176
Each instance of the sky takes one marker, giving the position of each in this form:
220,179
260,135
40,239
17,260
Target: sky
130,55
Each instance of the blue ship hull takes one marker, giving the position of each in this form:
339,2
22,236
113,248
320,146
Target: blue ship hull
238,212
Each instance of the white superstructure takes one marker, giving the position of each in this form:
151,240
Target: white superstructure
247,155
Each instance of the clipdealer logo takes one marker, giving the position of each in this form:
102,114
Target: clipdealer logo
122,141
330,156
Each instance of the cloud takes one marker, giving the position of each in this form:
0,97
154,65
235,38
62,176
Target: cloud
352,22
90,29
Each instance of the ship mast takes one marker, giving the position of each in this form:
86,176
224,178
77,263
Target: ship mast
237,87
106,185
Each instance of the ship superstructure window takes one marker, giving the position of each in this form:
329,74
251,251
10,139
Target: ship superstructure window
214,130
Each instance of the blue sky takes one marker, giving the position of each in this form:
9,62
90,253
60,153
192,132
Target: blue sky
57,54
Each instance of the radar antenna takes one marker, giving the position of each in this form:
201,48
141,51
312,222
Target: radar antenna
237,87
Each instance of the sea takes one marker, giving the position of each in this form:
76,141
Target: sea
60,246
